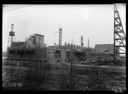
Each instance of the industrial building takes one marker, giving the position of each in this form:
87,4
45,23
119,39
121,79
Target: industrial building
107,48
59,66
35,48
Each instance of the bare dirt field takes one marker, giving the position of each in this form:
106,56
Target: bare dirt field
63,77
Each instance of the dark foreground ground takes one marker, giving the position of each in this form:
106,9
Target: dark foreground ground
45,76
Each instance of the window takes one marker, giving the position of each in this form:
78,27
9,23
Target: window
106,51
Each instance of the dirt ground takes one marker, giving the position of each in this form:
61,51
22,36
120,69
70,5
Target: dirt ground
62,77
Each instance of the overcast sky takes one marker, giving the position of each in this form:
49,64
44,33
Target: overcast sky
93,21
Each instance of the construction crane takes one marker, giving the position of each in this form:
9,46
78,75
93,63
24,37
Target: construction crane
119,36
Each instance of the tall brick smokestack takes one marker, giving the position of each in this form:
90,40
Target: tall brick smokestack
60,36
82,44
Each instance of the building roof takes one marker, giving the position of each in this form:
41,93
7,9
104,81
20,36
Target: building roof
39,35
18,44
103,47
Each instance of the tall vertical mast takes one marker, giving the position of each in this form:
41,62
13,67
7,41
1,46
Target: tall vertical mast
12,27
119,35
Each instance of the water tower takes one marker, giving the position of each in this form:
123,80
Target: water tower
12,33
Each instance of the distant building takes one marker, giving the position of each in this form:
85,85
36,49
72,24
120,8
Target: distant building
18,44
105,48
36,40
39,40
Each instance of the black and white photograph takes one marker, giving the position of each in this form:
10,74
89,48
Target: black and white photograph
64,47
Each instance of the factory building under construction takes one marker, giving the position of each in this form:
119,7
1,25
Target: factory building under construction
34,49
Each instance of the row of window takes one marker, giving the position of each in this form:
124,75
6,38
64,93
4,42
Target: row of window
22,52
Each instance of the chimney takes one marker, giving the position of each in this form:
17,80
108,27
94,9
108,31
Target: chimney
60,36
88,42
82,44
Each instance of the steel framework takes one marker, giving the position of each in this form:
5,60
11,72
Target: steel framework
11,34
119,36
